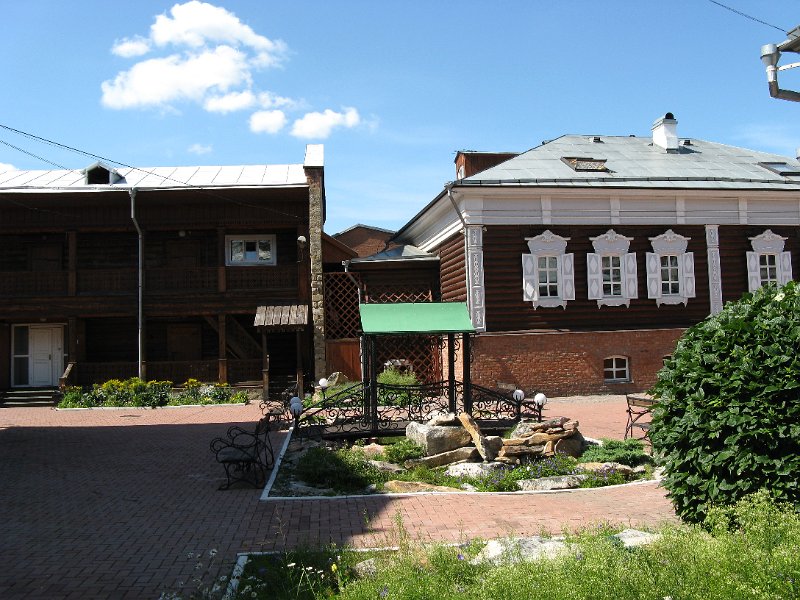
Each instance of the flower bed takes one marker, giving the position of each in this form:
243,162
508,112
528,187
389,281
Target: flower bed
135,392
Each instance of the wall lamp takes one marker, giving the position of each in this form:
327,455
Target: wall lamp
771,54
302,242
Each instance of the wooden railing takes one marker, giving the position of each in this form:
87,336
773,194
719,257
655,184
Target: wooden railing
63,381
102,282
31,283
181,280
255,278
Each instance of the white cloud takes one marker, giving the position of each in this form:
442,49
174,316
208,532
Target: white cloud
270,100
230,102
200,149
320,125
7,167
267,121
160,81
130,47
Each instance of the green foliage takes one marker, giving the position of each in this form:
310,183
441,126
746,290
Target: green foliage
402,450
343,470
398,396
134,392
627,452
728,419
394,376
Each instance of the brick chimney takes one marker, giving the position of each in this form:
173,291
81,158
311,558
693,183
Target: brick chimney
665,133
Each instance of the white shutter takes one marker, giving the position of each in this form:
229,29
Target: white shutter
567,262
530,287
631,279
594,276
653,264
784,267
753,272
687,277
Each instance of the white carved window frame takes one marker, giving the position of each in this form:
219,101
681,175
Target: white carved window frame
543,246
667,244
765,244
612,244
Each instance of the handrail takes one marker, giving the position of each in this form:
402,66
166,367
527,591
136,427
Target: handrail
62,381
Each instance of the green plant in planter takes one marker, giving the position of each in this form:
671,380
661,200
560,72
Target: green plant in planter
728,419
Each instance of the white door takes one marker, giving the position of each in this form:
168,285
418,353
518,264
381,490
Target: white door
46,355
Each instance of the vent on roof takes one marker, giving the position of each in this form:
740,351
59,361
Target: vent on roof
595,139
686,142
99,174
781,168
585,164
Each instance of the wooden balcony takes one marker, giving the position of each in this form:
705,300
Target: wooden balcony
32,284
86,373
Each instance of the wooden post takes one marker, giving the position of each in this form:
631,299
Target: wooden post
299,359
223,347
264,365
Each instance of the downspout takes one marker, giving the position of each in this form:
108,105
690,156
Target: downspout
140,273
346,265
449,188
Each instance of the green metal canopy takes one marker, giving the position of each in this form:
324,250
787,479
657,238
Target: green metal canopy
423,317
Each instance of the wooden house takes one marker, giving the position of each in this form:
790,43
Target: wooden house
161,272
584,259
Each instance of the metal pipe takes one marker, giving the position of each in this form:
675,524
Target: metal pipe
449,188
346,265
140,269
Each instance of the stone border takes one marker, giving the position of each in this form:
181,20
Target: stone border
276,467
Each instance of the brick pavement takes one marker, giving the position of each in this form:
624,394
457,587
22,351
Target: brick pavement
109,504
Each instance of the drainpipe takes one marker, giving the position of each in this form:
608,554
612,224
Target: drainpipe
346,265
449,188
140,273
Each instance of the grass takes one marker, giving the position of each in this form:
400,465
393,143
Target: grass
747,551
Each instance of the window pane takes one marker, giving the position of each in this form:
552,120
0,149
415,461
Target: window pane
237,250
21,370
264,250
20,340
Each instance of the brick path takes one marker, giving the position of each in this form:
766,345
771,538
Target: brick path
109,504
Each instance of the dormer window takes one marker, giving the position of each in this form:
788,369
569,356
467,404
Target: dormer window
100,174
585,164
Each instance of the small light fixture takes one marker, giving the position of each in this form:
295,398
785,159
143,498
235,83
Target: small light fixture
296,407
182,233
540,399
302,242
518,395
323,383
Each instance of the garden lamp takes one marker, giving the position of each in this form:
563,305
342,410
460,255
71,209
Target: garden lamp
518,395
540,399
296,408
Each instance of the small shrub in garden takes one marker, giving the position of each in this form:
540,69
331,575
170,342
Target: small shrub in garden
627,452
401,451
341,470
394,377
728,419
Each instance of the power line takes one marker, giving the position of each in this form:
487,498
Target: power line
31,154
746,16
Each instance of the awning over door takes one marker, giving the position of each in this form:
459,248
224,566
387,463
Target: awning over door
289,317
415,318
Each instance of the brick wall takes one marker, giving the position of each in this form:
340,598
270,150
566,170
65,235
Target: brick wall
570,363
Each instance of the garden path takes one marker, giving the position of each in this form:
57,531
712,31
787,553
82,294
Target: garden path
117,503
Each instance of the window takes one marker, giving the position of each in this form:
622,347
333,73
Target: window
615,369
781,168
611,270
548,278
578,163
768,263
249,250
670,269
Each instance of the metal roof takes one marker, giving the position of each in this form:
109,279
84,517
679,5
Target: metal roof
292,316
158,178
403,252
635,162
422,317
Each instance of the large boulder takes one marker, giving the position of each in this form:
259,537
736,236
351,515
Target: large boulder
558,482
436,439
474,469
445,458
488,450
526,427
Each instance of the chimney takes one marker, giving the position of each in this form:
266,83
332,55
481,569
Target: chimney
665,133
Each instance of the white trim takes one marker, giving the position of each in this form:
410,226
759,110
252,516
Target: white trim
612,245
614,368
768,244
268,237
668,244
548,245
57,354
714,269
473,248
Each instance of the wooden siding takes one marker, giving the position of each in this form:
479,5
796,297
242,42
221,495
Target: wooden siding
503,247
734,242
453,270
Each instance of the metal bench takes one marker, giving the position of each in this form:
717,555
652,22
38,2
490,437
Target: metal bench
247,456
639,407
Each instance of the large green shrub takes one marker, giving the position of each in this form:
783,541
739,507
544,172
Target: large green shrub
728,419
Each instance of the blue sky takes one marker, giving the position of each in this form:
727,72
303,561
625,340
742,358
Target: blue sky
392,88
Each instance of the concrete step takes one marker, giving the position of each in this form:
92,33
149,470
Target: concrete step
30,397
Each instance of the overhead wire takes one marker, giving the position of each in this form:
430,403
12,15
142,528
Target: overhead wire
746,16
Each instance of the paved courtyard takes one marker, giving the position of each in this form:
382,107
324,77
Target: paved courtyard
117,503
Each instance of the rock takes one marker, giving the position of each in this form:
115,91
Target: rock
468,487
494,443
487,451
570,425
406,487
597,467
517,451
543,438
386,467
526,428
571,446
527,549
371,450
658,472
558,482
436,439
549,449
473,469
445,458
508,460
444,419
337,378
366,568
299,489
640,469
631,538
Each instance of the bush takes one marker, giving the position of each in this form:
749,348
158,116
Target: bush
341,470
628,452
402,450
397,397
728,419
135,392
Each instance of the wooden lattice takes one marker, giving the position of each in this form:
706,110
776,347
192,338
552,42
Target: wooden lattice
342,319
421,351
388,294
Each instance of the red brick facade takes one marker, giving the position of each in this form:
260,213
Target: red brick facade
570,363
